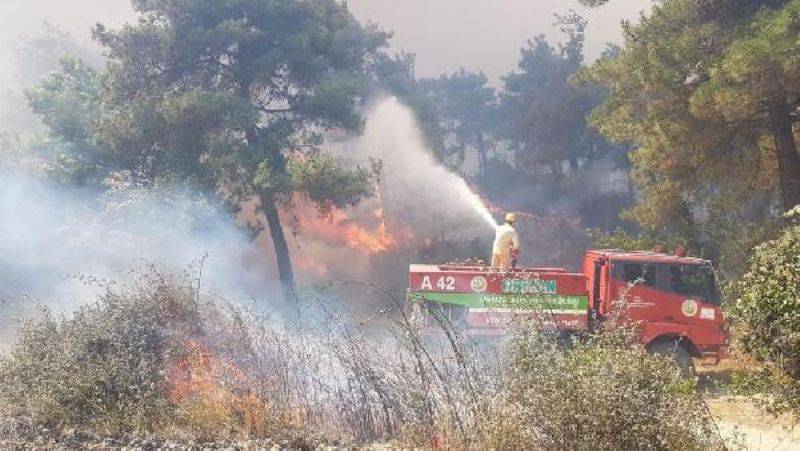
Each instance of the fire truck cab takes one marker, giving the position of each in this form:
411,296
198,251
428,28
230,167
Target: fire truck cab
673,299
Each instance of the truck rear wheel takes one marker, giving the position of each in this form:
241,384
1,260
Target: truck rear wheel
674,350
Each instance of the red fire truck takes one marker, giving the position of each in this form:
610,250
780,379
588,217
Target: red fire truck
672,299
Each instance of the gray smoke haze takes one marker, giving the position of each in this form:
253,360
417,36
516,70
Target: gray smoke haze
30,19
48,235
54,240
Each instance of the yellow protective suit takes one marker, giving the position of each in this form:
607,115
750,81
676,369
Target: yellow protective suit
506,240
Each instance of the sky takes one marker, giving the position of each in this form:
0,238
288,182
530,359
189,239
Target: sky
444,34
26,18
487,34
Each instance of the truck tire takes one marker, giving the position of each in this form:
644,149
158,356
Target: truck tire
674,350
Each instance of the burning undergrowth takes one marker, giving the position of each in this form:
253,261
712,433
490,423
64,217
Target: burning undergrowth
153,357
157,358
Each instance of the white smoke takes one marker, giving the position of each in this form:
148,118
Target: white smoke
52,239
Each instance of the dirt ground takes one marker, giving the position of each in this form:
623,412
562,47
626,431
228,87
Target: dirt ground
740,419
743,422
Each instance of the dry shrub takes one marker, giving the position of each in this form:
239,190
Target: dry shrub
415,391
529,390
103,368
154,358
148,358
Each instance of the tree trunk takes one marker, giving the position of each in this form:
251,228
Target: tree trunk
482,157
285,271
788,158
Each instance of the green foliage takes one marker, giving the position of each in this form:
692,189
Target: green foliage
68,100
69,104
606,393
755,71
266,78
766,311
545,114
263,78
683,92
218,94
326,183
467,109
755,85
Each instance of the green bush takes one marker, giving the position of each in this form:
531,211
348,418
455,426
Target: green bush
602,394
767,312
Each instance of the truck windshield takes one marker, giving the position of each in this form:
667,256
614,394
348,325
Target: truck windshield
694,281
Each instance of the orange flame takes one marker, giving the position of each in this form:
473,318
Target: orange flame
377,242
200,373
339,228
211,390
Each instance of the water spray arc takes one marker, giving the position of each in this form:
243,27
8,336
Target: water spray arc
415,182
477,203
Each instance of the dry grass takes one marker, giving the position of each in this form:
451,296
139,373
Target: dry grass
155,359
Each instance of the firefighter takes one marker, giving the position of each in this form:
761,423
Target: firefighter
506,244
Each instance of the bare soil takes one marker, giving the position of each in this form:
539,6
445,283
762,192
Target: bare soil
742,421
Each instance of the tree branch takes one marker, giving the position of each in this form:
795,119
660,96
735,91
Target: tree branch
274,110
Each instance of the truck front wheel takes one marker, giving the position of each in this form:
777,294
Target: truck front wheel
673,350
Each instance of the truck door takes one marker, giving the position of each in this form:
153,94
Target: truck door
693,288
595,269
600,287
635,284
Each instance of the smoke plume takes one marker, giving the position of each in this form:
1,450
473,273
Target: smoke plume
54,242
